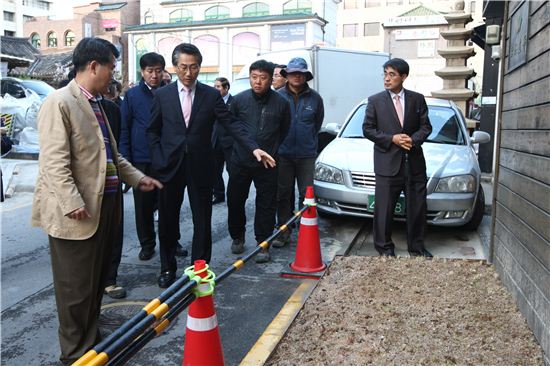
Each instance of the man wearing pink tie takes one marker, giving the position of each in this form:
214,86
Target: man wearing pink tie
397,122
182,118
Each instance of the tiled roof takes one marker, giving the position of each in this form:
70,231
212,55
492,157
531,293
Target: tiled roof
48,65
420,10
18,48
259,19
113,6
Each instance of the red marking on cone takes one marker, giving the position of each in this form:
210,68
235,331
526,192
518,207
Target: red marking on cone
203,344
308,251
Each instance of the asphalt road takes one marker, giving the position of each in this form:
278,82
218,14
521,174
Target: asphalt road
246,302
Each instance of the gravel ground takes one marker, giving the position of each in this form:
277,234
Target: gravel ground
408,311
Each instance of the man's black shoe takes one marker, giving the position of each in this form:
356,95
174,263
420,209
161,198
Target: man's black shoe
218,199
180,252
423,253
166,279
146,254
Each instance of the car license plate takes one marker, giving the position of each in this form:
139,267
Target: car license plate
399,206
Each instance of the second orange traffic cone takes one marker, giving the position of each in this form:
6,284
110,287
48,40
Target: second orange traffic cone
308,250
203,344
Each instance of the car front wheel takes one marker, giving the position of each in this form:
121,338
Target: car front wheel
479,209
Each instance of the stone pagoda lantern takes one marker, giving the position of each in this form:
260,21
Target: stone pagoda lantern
455,73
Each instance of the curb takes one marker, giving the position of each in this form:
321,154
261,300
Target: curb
268,341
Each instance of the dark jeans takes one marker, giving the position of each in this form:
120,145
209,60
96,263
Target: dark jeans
291,171
221,155
265,181
387,193
145,204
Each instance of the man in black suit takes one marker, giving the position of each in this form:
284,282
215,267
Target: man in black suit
222,143
397,122
180,133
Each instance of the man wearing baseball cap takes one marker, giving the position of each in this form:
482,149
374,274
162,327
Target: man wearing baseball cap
299,149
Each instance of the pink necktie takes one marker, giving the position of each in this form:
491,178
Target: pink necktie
399,109
186,105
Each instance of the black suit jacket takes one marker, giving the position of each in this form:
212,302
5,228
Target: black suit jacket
220,136
381,123
170,141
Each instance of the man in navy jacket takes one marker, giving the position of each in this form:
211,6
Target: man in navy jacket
136,115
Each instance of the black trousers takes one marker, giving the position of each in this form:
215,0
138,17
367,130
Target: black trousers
145,204
116,254
79,270
387,193
170,201
265,181
292,171
222,155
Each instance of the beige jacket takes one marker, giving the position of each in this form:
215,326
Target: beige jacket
72,165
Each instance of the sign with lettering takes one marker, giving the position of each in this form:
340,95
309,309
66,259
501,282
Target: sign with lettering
415,20
284,36
417,33
110,23
519,35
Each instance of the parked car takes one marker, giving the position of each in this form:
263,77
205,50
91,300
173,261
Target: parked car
13,87
39,87
344,179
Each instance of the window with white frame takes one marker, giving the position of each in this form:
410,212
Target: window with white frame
349,30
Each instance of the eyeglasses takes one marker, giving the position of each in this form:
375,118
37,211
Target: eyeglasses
192,68
390,74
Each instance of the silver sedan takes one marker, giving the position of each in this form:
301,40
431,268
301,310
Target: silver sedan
345,181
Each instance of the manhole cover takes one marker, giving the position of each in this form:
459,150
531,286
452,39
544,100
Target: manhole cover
115,314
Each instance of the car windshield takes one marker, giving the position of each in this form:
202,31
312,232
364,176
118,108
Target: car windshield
445,125
38,87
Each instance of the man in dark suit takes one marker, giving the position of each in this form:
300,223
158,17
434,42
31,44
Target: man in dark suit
180,133
397,122
222,143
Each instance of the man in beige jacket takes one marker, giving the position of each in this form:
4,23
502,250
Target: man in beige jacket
77,195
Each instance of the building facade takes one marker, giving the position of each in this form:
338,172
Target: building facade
229,33
520,245
17,12
106,20
409,29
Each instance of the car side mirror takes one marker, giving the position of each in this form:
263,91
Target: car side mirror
332,128
480,137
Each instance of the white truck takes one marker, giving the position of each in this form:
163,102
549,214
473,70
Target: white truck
342,77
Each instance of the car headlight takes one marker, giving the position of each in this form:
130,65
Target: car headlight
456,184
329,174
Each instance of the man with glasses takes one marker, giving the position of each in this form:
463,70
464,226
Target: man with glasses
77,195
396,120
179,135
278,80
136,115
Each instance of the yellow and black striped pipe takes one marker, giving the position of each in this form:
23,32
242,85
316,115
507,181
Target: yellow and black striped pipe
133,335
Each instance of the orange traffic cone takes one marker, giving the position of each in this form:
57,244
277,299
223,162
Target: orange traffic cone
308,251
203,344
